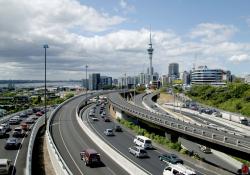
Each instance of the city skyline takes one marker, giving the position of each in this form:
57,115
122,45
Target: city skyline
112,37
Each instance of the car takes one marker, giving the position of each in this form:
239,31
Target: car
39,113
171,158
23,115
18,132
12,143
3,131
118,128
109,132
143,142
205,149
25,126
90,157
103,115
14,121
91,114
106,119
138,151
5,165
94,118
29,120
175,169
29,111
6,126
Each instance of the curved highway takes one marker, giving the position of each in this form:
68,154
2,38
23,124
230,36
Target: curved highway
235,142
70,140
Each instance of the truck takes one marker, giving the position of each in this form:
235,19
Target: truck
234,118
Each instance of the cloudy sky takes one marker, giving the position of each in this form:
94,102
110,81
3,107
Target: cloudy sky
112,36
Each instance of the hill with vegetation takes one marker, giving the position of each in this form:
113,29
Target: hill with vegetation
234,97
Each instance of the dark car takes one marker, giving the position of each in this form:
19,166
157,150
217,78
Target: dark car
172,158
23,115
90,157
106,119
12,143
117,128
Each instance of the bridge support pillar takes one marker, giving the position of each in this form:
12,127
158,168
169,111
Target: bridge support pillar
171,136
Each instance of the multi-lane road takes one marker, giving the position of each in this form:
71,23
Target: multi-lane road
19,156
70,140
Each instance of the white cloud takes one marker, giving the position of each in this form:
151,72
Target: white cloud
212,32
240,58
26,25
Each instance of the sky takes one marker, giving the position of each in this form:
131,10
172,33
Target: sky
112,36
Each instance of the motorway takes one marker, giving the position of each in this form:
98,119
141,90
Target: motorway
18,157
204,133
148,100
192,146
122,141
70,140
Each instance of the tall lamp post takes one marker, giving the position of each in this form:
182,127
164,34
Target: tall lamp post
45,46
86,67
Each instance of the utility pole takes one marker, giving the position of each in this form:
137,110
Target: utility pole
86,81
45,46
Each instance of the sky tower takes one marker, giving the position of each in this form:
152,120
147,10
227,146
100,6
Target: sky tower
150,53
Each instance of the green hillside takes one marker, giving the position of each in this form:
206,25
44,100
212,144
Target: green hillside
234,97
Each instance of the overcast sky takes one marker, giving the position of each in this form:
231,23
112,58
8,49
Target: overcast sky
112,36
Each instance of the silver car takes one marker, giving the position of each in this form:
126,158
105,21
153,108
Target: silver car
138,151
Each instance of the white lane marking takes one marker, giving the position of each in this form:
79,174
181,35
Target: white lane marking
93,128
14,165
68,149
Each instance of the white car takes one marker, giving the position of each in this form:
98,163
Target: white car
138,151
5,165
173,169
94,118
109,132
6,126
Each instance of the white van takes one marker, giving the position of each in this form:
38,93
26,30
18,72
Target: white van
174,169
5,165
143,142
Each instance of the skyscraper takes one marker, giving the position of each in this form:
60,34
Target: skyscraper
173,70
94,81
150,53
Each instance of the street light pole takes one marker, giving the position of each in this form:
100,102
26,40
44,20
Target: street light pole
86,83
45,46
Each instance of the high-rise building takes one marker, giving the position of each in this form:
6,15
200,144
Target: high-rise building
247,79
94,81
142,78
186,79
150,53
173,70
106,81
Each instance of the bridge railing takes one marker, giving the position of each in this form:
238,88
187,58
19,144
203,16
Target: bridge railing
182,127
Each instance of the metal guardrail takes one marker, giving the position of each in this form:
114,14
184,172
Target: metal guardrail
182,127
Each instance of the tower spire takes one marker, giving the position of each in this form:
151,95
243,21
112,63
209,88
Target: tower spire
150,53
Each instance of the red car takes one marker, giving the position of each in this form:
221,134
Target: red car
39,114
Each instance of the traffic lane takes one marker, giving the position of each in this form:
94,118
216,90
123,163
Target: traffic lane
209,157
18,157
138,99
117,97
74,140
122,141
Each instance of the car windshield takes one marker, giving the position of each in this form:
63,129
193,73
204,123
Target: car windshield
143,151
174,156
2,166
148,141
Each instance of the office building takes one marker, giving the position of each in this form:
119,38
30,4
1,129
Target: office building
247,79
94,81
186,79
106,81
173,70
203,75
